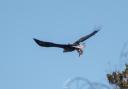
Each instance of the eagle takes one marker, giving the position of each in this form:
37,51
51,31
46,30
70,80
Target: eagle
68,47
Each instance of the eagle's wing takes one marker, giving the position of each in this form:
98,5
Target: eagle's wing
85,37
49,44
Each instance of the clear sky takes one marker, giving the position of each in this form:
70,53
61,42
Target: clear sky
24,65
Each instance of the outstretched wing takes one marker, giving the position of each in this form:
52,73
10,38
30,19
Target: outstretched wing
86,37
49,44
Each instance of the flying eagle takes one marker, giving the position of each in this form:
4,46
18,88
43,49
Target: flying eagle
68,47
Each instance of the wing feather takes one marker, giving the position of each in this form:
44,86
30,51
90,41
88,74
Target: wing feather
86,37
49,44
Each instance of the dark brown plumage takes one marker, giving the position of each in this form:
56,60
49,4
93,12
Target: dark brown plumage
68,47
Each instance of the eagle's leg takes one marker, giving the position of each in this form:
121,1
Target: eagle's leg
80,51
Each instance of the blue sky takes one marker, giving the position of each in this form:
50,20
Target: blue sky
24,65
